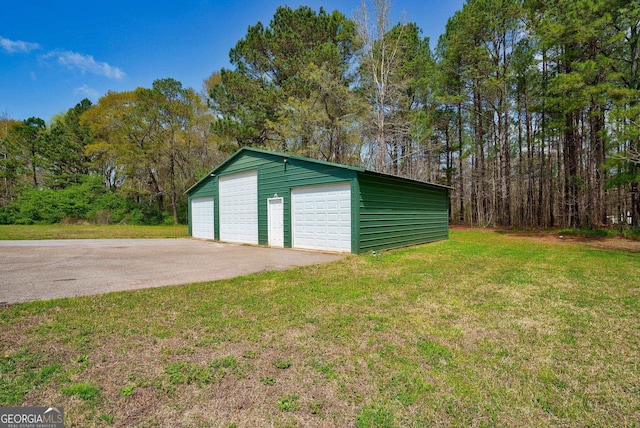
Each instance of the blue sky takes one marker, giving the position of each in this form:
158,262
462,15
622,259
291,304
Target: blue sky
55,53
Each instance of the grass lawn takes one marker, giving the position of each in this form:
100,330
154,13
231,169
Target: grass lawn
62,231
484,329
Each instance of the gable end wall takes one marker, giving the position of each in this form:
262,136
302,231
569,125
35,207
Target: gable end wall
277,177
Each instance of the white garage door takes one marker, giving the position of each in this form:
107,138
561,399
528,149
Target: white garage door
202,218
322,217
239,207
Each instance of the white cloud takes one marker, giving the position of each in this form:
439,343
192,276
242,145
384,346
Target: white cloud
13,46
71,60
85,63
86,91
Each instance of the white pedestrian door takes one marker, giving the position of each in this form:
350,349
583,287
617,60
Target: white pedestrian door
276,222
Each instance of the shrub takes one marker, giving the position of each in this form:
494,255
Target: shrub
6,216
136,216
89,200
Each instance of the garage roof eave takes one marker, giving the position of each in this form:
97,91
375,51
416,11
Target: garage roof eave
409,180
289,156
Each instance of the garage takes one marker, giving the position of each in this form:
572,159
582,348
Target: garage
262,197
202,215
322,217
239,208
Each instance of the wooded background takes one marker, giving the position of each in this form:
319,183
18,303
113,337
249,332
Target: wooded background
527,109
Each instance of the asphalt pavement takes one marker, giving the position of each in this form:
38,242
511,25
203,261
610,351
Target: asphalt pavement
36,270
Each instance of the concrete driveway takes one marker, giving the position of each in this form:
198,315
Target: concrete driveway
36,270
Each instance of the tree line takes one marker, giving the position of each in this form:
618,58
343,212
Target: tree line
128,158
527,109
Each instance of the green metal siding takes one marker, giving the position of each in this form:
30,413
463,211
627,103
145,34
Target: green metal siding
355,217
397,213
277,177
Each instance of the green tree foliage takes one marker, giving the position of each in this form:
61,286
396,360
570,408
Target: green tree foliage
402,100
25,143
148,142
64,148
623,31
540,90
290,89
8,162
476,57
393,62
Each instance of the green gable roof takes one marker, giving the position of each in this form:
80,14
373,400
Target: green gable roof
234,156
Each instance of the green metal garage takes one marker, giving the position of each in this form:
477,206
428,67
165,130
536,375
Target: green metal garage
267,198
